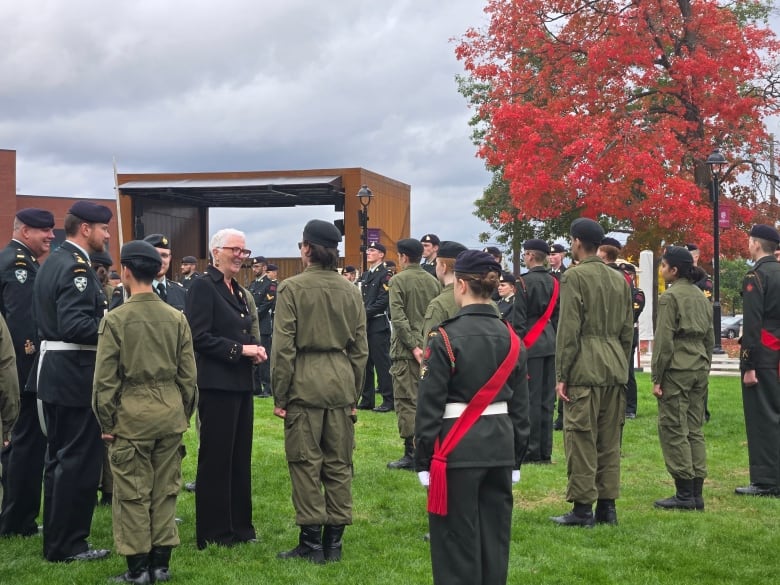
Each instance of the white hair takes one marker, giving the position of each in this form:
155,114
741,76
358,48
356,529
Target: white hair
219,238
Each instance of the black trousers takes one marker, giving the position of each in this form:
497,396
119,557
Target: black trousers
22,462
74,457
379,359
223,500
470,545
541,403
265,367
762,423
631,384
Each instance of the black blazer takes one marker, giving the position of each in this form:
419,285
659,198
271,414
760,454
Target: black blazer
221,323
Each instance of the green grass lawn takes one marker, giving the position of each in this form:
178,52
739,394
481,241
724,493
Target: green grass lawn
734,541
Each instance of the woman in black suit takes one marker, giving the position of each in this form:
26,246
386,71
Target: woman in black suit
225,350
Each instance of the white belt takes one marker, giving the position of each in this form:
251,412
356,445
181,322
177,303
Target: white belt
455,409
65,346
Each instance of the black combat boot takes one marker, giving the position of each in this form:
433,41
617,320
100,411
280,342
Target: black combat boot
309,545
407,461
682,500
331,541
137,571
698,498
159,563
606,513
581,515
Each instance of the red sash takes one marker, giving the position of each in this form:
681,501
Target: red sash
772,342
535,331
437,491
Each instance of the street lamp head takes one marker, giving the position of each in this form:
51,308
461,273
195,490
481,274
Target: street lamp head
716,160
365,195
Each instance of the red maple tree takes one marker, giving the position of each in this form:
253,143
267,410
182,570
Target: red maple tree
611,108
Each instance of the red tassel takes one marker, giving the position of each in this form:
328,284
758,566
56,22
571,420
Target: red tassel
437,489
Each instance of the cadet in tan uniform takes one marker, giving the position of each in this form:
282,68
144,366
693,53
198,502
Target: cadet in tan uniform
411,290
144,394
682,353
593,345
9,389
318,361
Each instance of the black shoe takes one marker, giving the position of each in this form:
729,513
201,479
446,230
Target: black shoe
159,561
606,512
383,408
141,578
572,519
91,554
631,415
331,542
364,406
106,498
558,424
755,489
190,486
309,546
682,500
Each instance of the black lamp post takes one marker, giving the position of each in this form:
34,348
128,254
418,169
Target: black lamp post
365,196
716,162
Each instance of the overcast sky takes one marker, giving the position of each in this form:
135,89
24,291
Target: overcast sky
243,85
175,86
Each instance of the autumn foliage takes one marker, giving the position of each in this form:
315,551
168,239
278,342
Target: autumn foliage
611,108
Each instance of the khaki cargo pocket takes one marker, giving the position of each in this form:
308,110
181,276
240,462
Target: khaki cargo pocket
296,436
125,468
577,411
670,406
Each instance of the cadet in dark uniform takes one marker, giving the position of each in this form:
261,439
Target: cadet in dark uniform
265,312
557,268
430,243
410,293
144,394
506,292
704,282
470,541
682,354
593,346
260,289
9,390
374,286
350,273
319,359
68,303
760,363
225,350
638,299
188,272
531,302
23,457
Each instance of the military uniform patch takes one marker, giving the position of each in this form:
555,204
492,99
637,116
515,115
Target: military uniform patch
21,275
81,283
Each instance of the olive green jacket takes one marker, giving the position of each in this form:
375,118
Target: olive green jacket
411,291
145,384
9,382
440,309
684,335
319,350
595,326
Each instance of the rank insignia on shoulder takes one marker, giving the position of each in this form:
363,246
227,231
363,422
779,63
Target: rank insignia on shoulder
79,259
81,283
79,269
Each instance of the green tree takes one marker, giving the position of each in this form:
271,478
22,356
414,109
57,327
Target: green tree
732,273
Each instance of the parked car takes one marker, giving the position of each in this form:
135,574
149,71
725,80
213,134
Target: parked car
731,326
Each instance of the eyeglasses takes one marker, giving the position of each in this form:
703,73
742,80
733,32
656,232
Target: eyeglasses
237,251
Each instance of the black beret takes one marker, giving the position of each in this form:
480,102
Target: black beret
691,247
765,232
350,269
389,263
493,251
158,241
558,249
35,218
431,239
538,245
91,212
476,262
507,277
322,233
102,258
259,260
189,260
678,256
410,247
611,242
449,249
115,276
587,230
378,246
626,266
139,250
271,267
